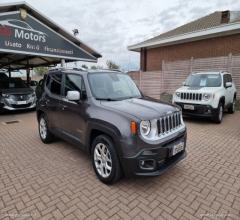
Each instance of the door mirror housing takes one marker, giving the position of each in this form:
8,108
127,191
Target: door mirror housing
73,95
228,84
184,83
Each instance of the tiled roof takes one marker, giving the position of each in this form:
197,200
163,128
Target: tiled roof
206,22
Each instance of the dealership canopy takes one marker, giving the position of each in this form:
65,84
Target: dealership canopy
29,39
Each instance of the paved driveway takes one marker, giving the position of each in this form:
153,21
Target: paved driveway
57,180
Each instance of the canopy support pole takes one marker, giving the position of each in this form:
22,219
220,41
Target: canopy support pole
28,73
9,72
63,63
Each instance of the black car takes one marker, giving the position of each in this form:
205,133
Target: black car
105,114
16,95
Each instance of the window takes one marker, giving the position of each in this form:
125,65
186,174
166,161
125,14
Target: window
115,86
55,84
74,83
227,78
204,80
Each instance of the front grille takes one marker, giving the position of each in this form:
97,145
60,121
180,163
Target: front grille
191,96
169,123
20,97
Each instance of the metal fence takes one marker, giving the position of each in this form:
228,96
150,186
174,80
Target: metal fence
174,73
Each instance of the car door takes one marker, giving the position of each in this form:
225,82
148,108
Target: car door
73,113
52,99
226,79
231,89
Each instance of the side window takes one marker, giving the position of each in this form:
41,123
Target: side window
55,84
229,78
48,82
74,83
225,79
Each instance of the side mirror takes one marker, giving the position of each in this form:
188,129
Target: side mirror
73,96
228,84
184,83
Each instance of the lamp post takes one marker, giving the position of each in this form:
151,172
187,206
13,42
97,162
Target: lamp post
75,33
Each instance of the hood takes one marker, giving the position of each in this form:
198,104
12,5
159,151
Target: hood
143,108
15,91
198,89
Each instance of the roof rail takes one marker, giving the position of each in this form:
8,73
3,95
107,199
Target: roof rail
64,68
115,70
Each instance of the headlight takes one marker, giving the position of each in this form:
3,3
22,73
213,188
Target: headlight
178,94
5,95
206,96
145,128
32,95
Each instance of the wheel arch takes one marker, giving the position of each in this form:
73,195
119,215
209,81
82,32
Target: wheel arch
222,100
98,127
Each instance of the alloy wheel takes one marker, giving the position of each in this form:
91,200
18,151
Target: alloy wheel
43,128
220,115
102,160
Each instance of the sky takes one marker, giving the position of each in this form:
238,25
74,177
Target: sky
109,26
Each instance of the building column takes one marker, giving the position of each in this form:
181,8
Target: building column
143,59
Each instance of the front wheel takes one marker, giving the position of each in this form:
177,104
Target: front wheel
218,116
45,135
105,160
231,109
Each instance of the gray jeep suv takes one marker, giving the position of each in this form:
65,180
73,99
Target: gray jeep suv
105,114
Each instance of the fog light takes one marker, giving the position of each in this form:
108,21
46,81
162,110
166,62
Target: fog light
147,164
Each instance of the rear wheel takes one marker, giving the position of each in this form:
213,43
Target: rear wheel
105,160
45,135
218,116
231,109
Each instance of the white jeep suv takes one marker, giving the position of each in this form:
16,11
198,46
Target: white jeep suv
207,94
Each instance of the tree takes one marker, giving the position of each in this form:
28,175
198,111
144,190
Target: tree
84,66
41,70
112,65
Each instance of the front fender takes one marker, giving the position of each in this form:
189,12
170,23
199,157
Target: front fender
108,129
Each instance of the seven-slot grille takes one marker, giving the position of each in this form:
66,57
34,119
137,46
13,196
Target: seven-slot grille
191,96
169,123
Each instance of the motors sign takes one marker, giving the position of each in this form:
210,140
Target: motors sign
30,36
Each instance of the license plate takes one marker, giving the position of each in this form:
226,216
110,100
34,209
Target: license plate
22,102
188,107
177,148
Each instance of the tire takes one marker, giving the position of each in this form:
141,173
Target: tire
44,133
105,160
218,116
231,109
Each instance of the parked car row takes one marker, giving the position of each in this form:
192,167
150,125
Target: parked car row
103,112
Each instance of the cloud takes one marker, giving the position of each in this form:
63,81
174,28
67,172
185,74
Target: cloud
109,26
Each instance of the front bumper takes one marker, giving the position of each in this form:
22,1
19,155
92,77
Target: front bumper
14,106
199,110
160,159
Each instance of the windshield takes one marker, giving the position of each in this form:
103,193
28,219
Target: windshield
112,86
12,84
204,80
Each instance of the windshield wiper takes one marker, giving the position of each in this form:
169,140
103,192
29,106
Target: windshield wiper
106,99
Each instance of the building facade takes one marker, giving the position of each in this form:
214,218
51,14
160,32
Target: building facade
214,35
